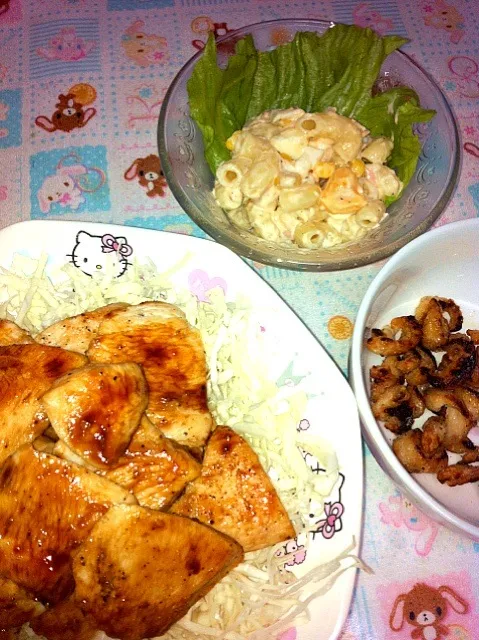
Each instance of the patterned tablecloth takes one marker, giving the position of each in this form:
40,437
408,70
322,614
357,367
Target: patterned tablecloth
114,59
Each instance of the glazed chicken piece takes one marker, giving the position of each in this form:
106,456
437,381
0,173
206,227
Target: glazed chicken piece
234,494
47,507
154,468
65,621
17,606
140,571
410,452
26,372
157,336
76,333
458,474
96,409
10,333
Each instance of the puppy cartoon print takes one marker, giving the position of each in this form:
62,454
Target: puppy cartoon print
445,16
143,48
424,608
71,112
149,173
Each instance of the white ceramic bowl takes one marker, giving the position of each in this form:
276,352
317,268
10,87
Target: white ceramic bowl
443,262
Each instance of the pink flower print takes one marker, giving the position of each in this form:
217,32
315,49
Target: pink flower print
469,131
201,284
428,8
3,193
303,425
332,523
289,634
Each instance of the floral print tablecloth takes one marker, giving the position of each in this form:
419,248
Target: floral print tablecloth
110,61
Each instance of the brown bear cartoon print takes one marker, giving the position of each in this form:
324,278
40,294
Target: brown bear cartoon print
70,114
149,173
424,608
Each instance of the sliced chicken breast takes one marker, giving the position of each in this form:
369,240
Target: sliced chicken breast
64,621
47,507
76,333
158,337
96,409
17,606
140,570
234,494
10,333
154,468
26,372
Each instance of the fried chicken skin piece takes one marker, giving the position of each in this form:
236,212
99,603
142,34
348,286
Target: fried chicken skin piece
76,333
47,507
26,372
96,410
235,495
11,333
157,336
65,621
140,571
458,474
408,449
385,342
17,606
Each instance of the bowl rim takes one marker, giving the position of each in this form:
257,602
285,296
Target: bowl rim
235,243
376,441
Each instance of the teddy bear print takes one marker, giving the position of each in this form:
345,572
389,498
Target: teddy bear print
69,114
424,609
149,173
66,46
446,16
204,25
365,16
143,48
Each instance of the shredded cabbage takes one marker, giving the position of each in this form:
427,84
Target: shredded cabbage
260,596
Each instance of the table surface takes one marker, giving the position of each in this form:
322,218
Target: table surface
91,47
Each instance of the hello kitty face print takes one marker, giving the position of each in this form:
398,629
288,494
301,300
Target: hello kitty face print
98,254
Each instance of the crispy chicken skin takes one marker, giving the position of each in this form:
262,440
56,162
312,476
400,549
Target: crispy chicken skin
76,333
140,570
154,468
10,333
47,507
158,337
234,494
17,606
65,621
26,372
96,409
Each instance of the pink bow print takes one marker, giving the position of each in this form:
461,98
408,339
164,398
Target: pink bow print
120,245
332,523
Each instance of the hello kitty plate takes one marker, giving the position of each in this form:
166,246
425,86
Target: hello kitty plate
291,354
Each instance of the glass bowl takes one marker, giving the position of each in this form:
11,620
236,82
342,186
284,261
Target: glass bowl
191,181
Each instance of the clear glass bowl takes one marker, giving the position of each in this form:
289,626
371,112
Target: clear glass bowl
191,181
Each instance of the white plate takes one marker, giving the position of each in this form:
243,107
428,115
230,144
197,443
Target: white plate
443,262
331,409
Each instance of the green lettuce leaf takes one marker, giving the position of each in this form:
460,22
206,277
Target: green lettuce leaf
337,69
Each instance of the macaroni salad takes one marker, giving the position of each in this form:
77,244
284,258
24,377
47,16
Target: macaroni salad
311,179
